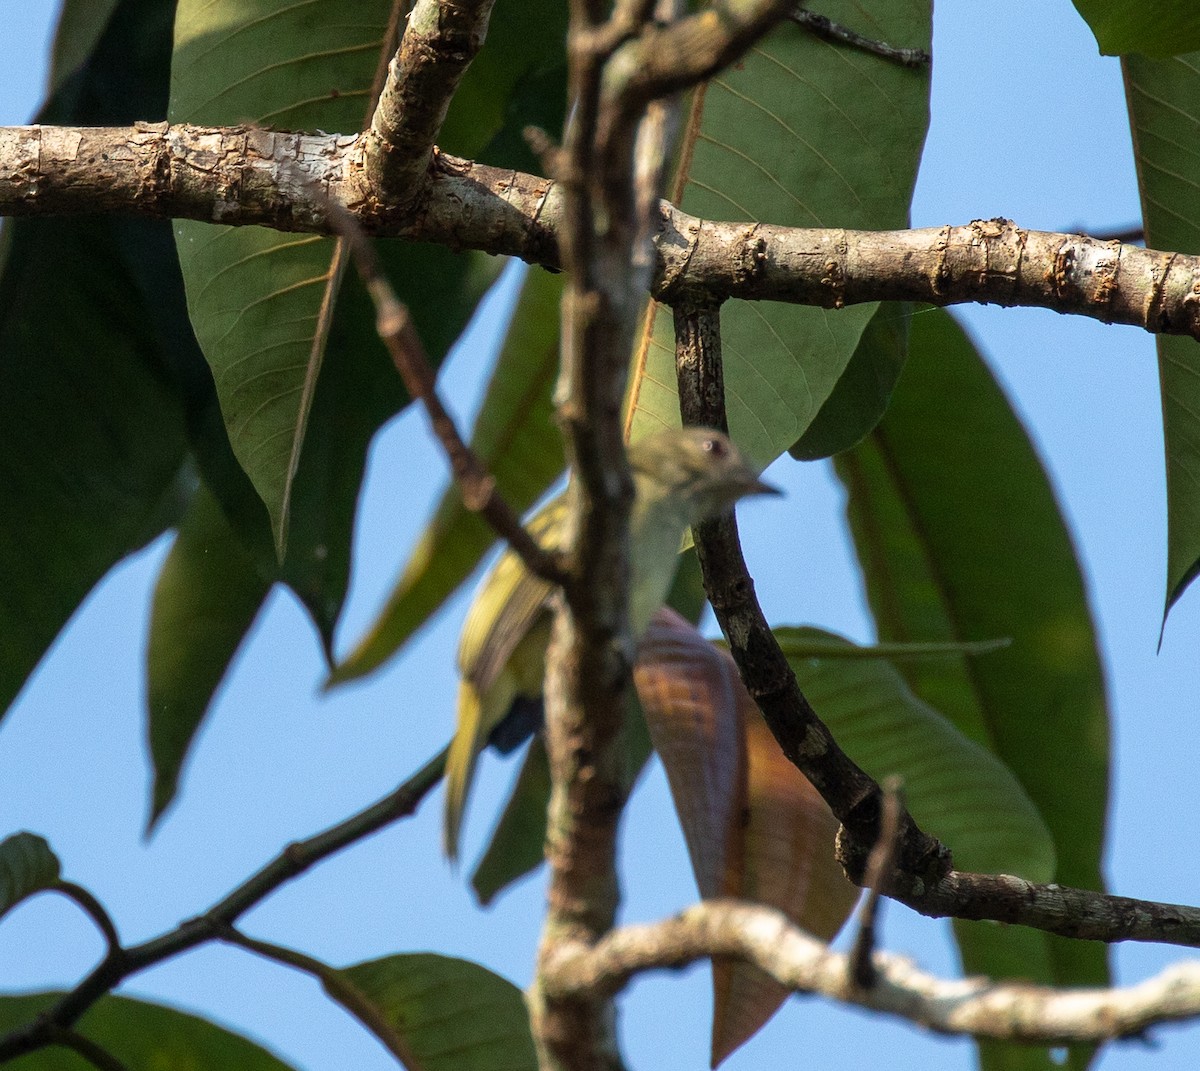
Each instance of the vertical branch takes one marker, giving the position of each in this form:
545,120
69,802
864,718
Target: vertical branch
607,215
590,658
852,795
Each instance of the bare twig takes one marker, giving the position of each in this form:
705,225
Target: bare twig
96,1055
1007,1011
922,878
399,335
835,32
293,861
94,909
338,986
880,864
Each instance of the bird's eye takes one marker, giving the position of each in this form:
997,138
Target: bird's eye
716,447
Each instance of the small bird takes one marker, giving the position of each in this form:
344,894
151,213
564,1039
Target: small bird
681,477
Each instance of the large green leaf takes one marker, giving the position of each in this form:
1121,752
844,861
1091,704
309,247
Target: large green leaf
80,24
860,397
960,538
1164,110
91,434
141,1035
255,296
27,866
1152,27
808,134
208,594
516,438
453,1015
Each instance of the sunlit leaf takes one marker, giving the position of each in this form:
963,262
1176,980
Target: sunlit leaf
1151,27
1164,111
808,134
255,295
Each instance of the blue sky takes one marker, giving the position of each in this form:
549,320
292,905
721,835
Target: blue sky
1028,124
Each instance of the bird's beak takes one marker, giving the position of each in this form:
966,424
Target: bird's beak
754,486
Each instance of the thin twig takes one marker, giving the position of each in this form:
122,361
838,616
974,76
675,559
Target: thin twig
96,1055
398,333
880,864
922,878
94,909
338,985
293,861
835,32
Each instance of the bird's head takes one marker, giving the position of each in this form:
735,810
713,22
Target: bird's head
699,469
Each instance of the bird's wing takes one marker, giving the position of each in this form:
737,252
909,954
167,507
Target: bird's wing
509,604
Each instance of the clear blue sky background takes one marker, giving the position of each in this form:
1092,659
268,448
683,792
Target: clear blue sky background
1028,123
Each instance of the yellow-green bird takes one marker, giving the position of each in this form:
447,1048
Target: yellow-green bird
681,477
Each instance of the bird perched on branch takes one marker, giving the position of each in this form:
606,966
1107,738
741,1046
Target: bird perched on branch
681,477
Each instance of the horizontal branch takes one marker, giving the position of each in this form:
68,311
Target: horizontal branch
1008,1011
1078,913
239,175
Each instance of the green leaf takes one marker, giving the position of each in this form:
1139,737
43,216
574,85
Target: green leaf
141,1035
960,538
516,437
255,296
860,397
1164,111
452,1014
1153,27
207,596
955,788
808,134
27,866
80,24
91,433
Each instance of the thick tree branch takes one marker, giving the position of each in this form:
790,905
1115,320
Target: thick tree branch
441,39
1008,1011
244,176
